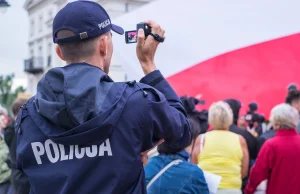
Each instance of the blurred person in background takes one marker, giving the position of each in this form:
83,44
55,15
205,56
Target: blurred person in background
251,141
254,120
242,122
265,136
293,99
182,176
201,117
84,133
263,124
279,158
292,86
5,171
221,151
20,182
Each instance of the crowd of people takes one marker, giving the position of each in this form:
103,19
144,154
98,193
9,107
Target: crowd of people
250,155
223,143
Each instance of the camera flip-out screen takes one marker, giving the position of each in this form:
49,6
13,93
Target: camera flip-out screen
131,37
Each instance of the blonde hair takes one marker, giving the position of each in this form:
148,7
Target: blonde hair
284,115
220,115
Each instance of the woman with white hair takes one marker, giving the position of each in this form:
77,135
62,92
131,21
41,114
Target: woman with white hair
279,158
222,152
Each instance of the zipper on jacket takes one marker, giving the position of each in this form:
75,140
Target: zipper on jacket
24,107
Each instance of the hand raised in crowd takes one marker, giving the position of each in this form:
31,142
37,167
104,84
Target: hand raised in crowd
144,154
146,48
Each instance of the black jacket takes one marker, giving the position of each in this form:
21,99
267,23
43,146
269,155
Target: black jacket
264,137
251,141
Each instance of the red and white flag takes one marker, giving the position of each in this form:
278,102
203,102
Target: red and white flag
248,50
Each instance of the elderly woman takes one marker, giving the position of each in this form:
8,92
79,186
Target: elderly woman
278,160
222,152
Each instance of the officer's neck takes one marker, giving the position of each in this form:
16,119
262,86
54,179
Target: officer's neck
95,61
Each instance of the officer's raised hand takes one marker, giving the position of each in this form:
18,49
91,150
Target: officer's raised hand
146,48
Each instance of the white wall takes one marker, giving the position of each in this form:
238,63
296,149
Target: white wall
40,37
32,83
206,34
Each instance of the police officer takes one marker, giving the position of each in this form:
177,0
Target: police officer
83,133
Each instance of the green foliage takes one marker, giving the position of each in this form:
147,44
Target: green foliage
7,96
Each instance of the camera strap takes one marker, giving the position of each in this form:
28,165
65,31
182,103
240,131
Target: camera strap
157,37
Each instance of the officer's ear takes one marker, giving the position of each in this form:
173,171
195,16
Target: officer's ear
59,53
103,41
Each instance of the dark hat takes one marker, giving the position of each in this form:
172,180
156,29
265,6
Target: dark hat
292,87
253,106
86,19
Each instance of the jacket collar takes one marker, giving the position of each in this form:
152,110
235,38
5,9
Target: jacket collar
286,132
104,76
183,155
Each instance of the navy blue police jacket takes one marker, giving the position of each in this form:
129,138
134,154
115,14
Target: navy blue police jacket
82,133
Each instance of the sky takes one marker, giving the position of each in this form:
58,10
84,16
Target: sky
13,41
